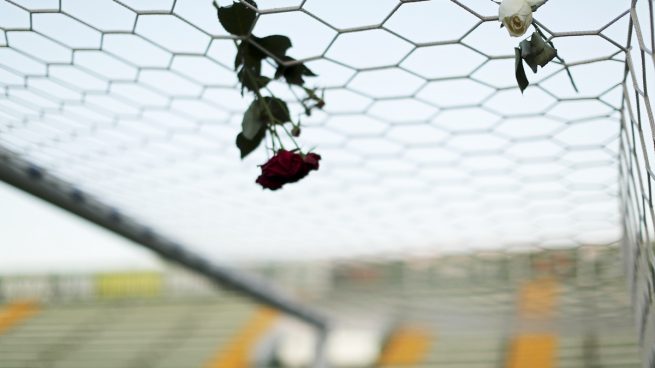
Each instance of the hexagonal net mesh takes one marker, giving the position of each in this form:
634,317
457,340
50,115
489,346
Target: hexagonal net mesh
428,146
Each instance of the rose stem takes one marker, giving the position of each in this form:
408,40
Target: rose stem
566,67
277,136
274,121
302,102
291,137
272,140
270,113
266,108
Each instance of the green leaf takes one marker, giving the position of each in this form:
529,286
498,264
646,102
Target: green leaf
246,146
248,55
250,79
278,109
251,56
275,44
294,73
252,123
521,78
237,18
536,51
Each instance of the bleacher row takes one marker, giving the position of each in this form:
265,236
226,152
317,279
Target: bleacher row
560,309
469,330
130,334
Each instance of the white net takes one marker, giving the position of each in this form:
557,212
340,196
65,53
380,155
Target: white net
636,173
428,146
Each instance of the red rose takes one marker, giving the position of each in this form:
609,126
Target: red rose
286,167
311,161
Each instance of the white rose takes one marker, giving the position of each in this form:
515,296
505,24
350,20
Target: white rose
516,15
535,3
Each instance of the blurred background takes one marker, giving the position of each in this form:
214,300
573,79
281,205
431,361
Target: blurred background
454,222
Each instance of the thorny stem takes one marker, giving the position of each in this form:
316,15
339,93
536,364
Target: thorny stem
277,136
272,142
271,129
276,121
291,136
300,101
294,95
273,133
566,67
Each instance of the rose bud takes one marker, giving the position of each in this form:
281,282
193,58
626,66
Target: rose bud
286,167
516,15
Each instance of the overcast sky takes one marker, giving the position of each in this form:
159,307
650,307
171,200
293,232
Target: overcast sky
36,237
211,201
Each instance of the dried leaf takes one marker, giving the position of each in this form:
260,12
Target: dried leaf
521,78
237,18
